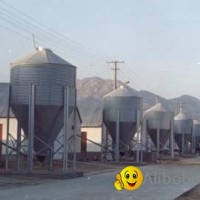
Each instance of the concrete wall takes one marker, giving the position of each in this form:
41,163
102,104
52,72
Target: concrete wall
12,128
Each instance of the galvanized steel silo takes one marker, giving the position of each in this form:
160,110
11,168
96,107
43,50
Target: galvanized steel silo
49,73
196,131
183,126
159,119
126,102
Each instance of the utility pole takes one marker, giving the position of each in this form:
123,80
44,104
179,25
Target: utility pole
115,69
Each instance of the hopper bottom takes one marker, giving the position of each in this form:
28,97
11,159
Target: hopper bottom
179,140
126,133
197,142
164,136
47,124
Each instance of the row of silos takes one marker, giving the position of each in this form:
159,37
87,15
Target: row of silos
196,134
163,121
38,97
123,112
42,78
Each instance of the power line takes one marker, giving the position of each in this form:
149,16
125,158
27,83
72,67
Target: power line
53,33
8,21
23,25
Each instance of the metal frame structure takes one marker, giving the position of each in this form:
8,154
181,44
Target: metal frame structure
31,136
171,139
113,148
141,140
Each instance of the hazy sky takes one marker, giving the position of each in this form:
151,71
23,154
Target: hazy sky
159,40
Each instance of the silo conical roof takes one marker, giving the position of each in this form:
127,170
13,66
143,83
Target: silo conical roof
181,116
123,91
41,56
157,107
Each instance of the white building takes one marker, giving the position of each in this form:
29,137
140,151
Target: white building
91,128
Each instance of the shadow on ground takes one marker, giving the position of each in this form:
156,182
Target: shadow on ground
193,194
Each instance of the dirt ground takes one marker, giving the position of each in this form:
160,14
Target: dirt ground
7,182
13,180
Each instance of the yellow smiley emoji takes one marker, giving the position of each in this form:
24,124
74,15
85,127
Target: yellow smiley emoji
130,178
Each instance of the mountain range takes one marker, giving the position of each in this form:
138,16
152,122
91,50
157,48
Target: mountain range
90,92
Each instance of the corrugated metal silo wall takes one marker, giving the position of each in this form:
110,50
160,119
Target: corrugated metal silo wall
127,107
49,81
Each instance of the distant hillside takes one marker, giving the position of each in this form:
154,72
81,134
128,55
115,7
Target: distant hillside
94,87
90,92
191,105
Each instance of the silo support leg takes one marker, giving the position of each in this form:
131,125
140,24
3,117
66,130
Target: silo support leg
137,128
158,140
183,143
141,148
172,139
7,140
146,135
194,145
142,141
65,129
31,127
75,139
117,138
18,144
106,144
7,131
193,141
51,153
102,143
